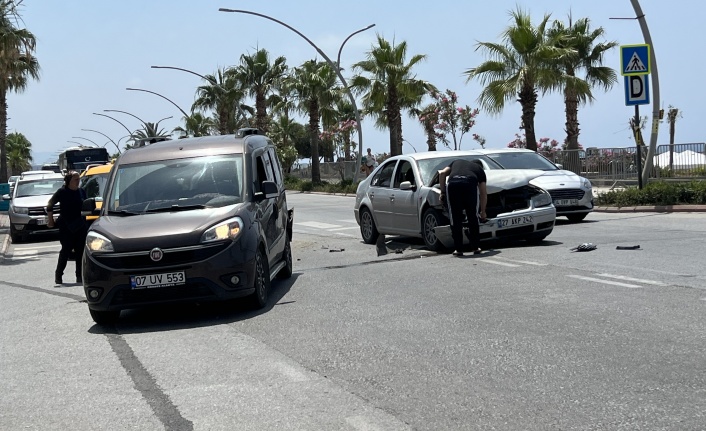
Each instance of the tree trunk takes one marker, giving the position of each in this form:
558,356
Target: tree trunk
571,160
314,138
3,136
261,110
672,117
528,100
399,135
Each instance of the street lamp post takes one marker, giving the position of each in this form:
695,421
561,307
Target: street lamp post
125,112
336,68
655,91
211,81
101,133
80,137
116,120
163,97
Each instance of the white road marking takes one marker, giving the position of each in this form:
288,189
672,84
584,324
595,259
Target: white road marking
361,423
497,262
636,280
598,280
317,225
526,262
36,247
343,228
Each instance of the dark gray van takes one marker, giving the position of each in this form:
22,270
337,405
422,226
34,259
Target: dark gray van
194,220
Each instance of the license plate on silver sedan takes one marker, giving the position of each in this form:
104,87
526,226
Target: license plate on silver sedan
166,279
565,202
514,221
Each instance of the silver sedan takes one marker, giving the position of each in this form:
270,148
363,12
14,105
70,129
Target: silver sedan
401,197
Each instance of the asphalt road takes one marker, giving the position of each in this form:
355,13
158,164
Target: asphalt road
372,338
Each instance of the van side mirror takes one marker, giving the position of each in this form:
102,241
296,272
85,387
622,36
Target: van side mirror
89,206
269,190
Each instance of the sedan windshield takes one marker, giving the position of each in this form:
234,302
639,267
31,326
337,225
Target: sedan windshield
182,184
429,167
38,187
522,160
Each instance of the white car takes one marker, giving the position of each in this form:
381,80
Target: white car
572,195
28,203
401,197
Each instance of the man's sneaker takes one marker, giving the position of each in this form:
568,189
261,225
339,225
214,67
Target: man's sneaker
458,253
477,251
58,280
79,279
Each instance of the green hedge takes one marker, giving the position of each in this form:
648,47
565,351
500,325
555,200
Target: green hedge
343,187
657,193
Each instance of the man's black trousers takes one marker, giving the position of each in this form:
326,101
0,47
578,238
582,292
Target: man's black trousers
462,194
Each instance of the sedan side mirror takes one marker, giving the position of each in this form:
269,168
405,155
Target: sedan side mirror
89,207
6,197
406,185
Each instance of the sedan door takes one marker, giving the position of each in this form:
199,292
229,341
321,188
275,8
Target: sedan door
405,208
380,195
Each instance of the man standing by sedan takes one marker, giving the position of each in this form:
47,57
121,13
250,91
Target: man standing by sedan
466,191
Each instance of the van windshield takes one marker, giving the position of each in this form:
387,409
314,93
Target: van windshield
210,181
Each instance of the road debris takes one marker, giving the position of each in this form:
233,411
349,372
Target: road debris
627,247
586,246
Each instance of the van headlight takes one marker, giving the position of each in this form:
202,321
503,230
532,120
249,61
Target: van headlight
97,243
541,200
227,229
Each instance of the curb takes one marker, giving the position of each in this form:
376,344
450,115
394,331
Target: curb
653,209
4,238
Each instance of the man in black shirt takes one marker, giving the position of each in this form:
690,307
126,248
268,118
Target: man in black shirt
466,191
72,225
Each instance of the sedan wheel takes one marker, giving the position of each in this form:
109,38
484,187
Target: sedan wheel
432,218
368,230
262,281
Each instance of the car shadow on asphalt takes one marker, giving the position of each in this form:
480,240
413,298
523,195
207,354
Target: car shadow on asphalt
195,315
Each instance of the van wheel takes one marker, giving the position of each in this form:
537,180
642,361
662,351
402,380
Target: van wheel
107,317
262,281
286,272
368,230
432,218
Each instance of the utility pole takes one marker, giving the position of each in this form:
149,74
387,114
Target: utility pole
655,91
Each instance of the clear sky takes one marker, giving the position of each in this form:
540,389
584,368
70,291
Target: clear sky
90,51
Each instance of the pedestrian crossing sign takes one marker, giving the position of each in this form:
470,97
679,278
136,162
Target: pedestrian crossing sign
635,60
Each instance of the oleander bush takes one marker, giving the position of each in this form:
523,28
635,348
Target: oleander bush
657,193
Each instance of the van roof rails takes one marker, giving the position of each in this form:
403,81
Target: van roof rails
248,131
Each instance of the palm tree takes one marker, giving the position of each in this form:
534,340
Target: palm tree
522,65
389,86
259,77
149,133
223,94
588,58
314,84
17,66
19,152
197,125
428,117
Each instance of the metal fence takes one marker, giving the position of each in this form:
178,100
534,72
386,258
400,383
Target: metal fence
684,161
618,164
